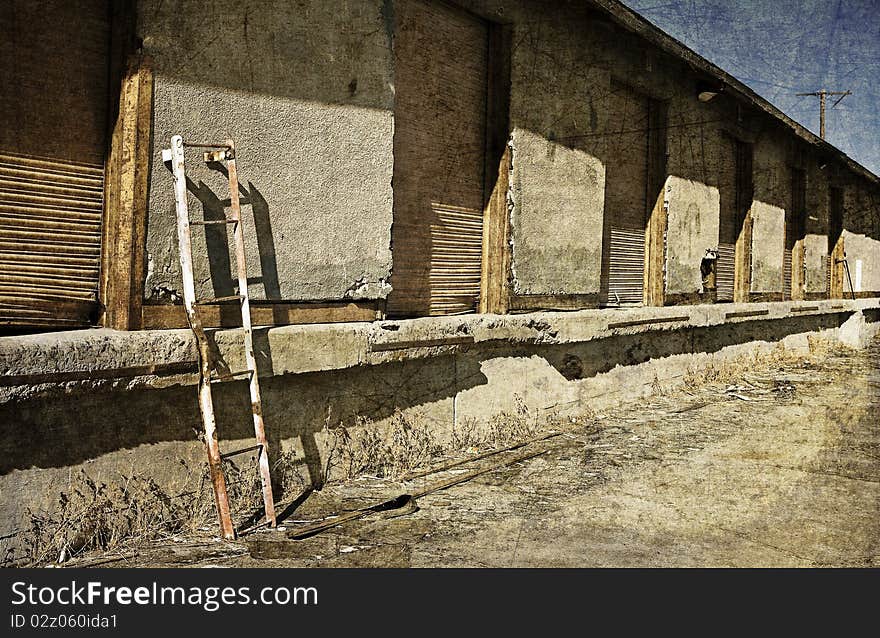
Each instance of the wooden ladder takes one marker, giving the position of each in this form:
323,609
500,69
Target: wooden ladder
224,152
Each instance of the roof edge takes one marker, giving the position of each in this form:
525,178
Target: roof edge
641,26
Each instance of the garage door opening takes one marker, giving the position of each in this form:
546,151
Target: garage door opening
55,60
441,56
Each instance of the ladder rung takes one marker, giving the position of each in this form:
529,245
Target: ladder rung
242,451
204,145
208,222
232,375
215,300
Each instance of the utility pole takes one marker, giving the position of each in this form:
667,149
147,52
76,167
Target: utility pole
823,94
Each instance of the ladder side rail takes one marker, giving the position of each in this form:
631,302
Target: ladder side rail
254,385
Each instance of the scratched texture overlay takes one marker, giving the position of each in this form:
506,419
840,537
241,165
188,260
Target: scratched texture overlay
783,47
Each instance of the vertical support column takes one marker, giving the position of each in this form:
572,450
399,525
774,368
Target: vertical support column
125,200
655,237
495,269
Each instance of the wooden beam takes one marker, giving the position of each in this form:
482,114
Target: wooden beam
531,303
655,248
838,253
494,279
125,203
742,277
797,271
836,248
160,317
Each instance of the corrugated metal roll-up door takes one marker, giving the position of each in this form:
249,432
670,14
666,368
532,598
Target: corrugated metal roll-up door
54,58
626,278
50,241
786,273
724,272
456,249
626,186
828,262
728,224
441,66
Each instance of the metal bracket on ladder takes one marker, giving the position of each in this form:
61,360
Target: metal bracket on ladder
222,152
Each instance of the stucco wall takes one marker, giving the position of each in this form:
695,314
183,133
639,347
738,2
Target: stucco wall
557,221
861,222
863,257
771,183
558,179
306,91
816,238
692,224
768,243
815,263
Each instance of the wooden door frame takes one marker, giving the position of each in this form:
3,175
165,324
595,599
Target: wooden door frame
126,172
836,251
655,232
496,259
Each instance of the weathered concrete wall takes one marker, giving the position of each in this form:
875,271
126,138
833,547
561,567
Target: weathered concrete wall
563,125
557,121
771,183
306,91
692,224
816,238
863,257
861,223
768,243
557,222
815,263
114,419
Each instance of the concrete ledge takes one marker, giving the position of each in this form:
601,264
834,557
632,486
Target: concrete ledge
158,358
108,402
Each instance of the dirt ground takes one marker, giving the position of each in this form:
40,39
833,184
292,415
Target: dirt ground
780,467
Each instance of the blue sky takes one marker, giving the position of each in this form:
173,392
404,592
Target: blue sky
783,47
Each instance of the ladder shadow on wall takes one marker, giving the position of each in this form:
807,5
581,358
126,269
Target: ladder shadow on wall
223,282
218,244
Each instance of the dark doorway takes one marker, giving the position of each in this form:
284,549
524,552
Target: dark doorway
441,56
55,64
626,195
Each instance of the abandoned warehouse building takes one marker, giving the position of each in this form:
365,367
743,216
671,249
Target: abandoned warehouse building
448,208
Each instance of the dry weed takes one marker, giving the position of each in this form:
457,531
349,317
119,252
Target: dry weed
106,515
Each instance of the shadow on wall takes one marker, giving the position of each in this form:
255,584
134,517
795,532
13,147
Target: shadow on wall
219,241
64,431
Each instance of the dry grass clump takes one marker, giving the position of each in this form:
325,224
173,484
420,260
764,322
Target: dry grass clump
108,515
726,371
98,515
122,513
407,444
502,430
